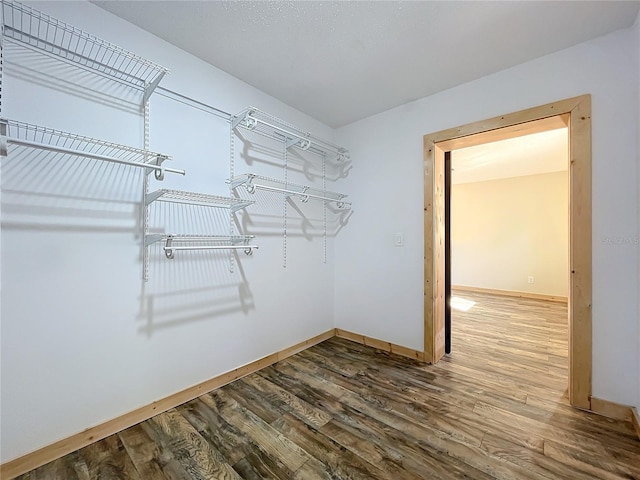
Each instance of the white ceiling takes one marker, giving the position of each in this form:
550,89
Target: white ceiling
533,154
341,61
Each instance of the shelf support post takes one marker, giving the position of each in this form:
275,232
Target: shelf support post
149,88
3,138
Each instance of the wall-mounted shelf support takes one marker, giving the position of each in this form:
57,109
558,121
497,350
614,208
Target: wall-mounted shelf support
252,182
175,243
272,127
33,29
301,143
202,199
42,138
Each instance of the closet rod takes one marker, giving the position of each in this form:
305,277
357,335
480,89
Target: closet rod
53,148
191,102
213,247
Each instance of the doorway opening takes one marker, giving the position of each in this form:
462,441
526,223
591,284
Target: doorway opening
506,220
574,114
506,225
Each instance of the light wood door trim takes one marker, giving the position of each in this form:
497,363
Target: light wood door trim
576,113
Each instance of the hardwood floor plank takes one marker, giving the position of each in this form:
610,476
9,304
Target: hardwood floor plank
253,400
313,469
241,451
369,438
171,467
496,408
584,463
550,430
108,460
199,459
144,453
531,459
424,434
597,422
257,465
340,462
383,397
292,404
260,432
58,469
414,457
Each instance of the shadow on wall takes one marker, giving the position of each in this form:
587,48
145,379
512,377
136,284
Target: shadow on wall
50,191
44,71
275,213
266,218
259,149
60,193
64,194
194,285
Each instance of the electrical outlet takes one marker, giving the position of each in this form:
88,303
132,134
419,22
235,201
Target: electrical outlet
530,279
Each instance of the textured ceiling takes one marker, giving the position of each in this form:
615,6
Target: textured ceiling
343,61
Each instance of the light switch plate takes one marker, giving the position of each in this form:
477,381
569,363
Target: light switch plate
399,240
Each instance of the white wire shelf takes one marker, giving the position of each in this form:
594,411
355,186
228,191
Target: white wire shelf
272,127
173,243
23,134
38,31
202,199
254,182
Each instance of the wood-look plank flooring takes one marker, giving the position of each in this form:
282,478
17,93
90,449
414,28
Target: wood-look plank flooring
496,408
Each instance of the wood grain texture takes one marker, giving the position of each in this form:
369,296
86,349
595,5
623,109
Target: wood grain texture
513,130
580,245
429,248
497,407
635,419
434,250
610,409
380,344
576,114
511,293
46,454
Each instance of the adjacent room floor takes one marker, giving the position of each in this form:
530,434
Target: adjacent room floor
496,408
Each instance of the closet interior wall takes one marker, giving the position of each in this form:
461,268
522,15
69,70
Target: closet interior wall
367,303
84,338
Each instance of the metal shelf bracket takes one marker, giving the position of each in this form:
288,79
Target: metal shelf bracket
159,172
301,143
151,87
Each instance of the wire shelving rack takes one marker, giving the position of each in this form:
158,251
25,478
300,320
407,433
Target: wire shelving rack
173,243
253,182
202,199
269,126
33,29
22,134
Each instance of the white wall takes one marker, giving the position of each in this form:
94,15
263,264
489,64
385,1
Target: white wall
84,340
505,230
636,29
379,288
